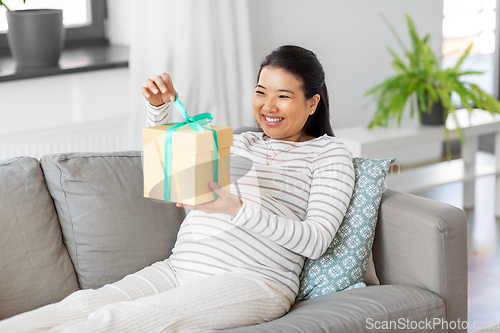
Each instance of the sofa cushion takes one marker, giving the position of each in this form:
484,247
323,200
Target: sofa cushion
108,226
344,263
360,310
35,268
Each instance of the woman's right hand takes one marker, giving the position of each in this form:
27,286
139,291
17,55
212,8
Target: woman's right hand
159,90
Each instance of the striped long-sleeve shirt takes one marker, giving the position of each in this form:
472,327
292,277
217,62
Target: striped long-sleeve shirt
291,209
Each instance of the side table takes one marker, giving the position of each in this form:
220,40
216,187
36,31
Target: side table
374,142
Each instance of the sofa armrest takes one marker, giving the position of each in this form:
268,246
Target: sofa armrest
423,243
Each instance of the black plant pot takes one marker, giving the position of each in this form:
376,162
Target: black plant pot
435,116
36,37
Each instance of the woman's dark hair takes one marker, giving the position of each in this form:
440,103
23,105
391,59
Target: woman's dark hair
305,66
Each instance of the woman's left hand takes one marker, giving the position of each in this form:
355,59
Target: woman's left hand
226,203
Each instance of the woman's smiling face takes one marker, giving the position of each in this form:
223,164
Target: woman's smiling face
280,106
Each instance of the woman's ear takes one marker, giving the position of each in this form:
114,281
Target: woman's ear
313,103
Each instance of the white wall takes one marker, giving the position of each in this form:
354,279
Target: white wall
349,37
64,113
63,100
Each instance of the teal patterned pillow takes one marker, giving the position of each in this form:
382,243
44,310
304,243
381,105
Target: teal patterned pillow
343,265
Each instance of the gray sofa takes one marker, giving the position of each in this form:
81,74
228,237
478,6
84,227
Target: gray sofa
79,220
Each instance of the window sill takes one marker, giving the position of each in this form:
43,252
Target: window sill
73,60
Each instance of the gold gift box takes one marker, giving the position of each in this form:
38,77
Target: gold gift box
192,162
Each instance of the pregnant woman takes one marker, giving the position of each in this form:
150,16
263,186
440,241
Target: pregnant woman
237,259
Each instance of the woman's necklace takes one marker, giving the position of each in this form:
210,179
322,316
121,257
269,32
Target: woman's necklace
276,154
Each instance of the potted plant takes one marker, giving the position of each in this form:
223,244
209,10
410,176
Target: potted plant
35,36
423,79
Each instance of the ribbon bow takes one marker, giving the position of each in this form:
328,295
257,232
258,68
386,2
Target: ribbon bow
195,123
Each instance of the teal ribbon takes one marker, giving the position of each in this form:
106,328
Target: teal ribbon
195,123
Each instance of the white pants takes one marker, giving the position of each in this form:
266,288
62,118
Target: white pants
158,299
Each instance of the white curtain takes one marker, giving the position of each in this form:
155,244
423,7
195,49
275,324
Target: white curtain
205,46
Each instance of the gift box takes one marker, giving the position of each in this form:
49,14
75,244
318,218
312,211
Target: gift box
192,162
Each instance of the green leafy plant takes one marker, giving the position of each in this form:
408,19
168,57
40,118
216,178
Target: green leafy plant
423,78
3,4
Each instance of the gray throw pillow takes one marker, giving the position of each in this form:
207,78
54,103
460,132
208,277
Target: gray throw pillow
108,226
35,268
343,265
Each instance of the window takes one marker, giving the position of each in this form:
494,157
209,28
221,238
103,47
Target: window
83,19
466,22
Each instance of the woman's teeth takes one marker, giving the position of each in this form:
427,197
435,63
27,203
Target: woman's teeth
273,120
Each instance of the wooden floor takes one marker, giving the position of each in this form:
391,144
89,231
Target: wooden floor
483,248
